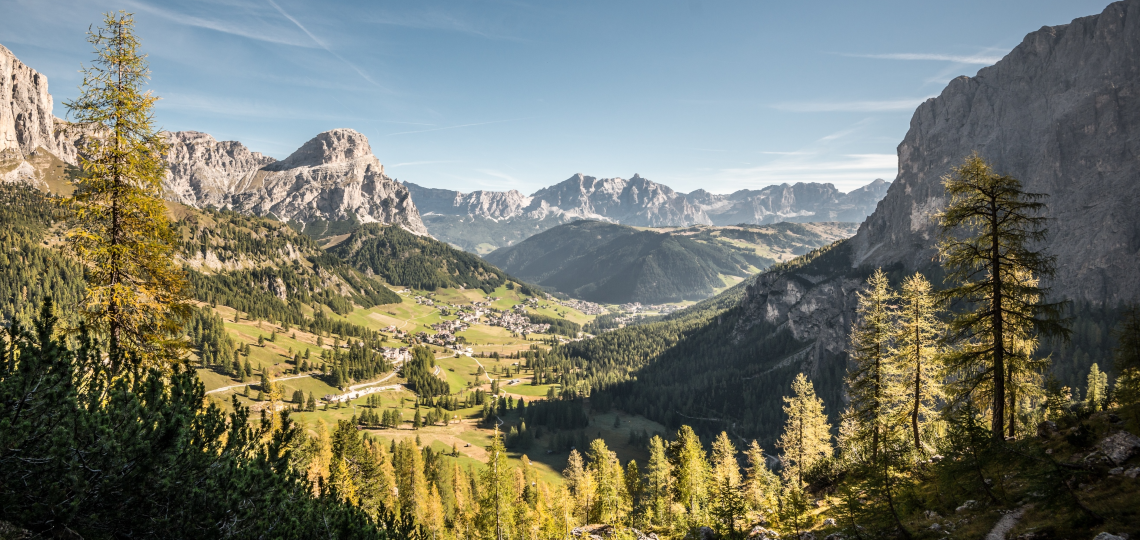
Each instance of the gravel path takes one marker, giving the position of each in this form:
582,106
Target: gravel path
1004,524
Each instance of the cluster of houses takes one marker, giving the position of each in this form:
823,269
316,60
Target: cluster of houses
516,321
589,308
450,326
632,307
442,339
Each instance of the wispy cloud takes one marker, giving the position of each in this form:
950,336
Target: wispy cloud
455,127
981,59
247,30
845,171
434,20
903,104
325,46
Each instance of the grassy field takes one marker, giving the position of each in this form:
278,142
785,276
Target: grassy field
463,432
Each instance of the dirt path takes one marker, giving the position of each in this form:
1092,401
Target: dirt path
232,386
362,385
485,374
1004,524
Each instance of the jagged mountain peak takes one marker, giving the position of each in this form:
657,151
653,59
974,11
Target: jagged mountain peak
333,146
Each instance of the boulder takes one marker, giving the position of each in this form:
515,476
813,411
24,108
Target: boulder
1107,536
1120,446
701,533
1046,429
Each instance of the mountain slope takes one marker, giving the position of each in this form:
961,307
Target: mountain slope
609,263
1055,112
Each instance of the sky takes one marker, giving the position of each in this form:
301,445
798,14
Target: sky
498,95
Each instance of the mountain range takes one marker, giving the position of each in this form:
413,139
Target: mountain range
613,264
332,182
483,221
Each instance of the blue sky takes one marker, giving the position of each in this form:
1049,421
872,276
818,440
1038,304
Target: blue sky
519,95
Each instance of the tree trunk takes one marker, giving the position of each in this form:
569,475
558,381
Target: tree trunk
998,427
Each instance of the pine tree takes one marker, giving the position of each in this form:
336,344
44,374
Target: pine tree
807,435
690,473
916,355
135,293
988,230
728,504
871,382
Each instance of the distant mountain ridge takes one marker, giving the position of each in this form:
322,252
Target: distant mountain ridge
332,178
614,264
485,220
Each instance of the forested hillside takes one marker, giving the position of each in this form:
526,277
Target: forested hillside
609,263
403,258
266,269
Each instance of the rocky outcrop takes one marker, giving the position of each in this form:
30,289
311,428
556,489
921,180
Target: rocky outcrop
333,177
206,172
26,120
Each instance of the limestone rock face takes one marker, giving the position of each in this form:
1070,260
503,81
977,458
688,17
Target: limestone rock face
332,177
26,120
637,201
1060,113
206,172
489,204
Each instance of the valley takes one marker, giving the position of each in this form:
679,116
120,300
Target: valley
201,340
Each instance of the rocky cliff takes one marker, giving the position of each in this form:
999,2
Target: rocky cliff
332,178
1061,112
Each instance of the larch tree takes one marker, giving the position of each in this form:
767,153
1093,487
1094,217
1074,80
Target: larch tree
762,487
135,293
580,483
871,380
690,473
1097,389
610,484
916,355
807,435
659,482
498,496
990,230
727,501
1127,357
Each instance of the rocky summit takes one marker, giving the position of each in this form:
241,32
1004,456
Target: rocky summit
332,178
